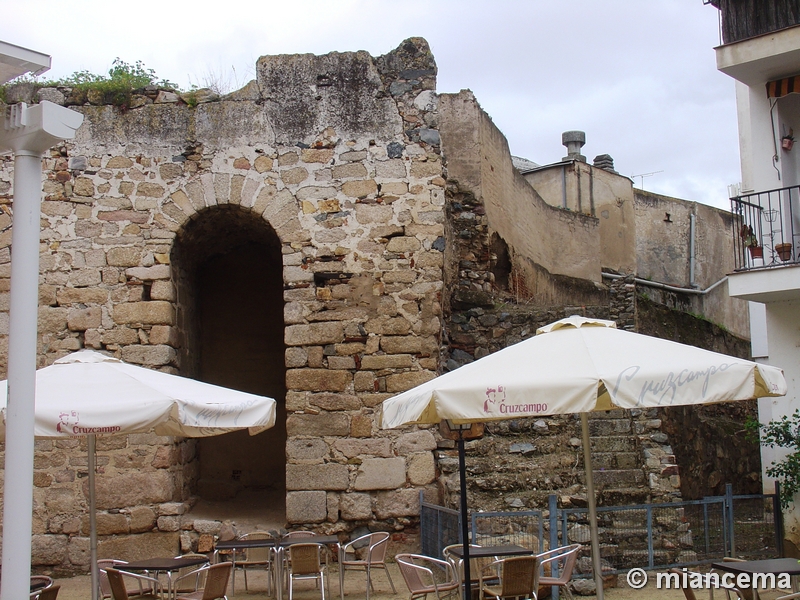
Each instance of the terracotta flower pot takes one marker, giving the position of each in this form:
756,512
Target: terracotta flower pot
784,251
756,251
787,143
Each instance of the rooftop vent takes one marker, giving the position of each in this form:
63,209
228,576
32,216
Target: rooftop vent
574,141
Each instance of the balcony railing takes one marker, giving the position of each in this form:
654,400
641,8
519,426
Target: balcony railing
767,232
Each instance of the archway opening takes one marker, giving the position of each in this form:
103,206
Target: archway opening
229,280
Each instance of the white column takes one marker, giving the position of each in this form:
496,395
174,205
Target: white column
29,132
18,488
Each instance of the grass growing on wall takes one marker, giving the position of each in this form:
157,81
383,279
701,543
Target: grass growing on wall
116,88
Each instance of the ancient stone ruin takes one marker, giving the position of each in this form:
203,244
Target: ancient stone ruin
331,234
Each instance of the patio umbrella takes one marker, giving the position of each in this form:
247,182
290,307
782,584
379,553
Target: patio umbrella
88,393
579,365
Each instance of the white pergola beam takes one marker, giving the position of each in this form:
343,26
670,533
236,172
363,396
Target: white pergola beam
16,61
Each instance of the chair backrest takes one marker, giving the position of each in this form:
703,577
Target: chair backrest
298,534
476,565
217,581
199,581
687,591
565,557
45,579
412,575
304,559
257,555
102,565
117,584
518,576
378,545
48,593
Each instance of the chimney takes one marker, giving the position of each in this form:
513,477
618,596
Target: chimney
574,141
605,162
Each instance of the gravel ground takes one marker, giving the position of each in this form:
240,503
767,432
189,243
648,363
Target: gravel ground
78,588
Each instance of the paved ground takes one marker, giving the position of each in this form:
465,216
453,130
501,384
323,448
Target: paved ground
78,588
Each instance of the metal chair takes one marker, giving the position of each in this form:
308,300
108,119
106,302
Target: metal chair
257,557
305,563
48,593
216,583
476,565
519,578
119,591
196,570
425,575
44,581
563,559
139,588
374,558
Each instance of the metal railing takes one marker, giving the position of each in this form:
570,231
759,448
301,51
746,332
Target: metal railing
767,231
649,536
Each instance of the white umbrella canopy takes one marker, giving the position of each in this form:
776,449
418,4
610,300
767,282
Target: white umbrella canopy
579,365
88,393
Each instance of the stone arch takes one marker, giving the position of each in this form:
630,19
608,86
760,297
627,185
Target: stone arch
228,275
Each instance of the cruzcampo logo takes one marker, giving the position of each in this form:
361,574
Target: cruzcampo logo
69,423
496,402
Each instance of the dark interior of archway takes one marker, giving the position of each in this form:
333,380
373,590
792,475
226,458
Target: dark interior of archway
230,273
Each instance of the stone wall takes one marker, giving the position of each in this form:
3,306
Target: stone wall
337,158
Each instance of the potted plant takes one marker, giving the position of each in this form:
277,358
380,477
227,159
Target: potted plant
784,251
787,141
751,242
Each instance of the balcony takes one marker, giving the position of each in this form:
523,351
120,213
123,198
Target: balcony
767,233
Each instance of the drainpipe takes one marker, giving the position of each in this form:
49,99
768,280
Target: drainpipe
692,256
669,288
29,132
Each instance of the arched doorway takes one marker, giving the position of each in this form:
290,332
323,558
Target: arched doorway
229,280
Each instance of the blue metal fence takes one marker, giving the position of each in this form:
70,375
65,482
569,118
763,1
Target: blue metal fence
649,536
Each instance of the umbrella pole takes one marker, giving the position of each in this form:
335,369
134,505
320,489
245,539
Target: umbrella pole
462,471
587,461
92,519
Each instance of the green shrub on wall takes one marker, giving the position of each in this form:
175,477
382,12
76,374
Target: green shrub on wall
781,433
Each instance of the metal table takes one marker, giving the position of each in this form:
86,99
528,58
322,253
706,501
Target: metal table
280,546
774,566
236,545
487,551
163,565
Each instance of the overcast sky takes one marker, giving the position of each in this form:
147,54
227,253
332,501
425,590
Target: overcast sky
638,76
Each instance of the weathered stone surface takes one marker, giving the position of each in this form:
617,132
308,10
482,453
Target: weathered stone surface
140,546
206,527
124,256
318,380
149,355
156,312
68,295
48,549
149,273
416,441
111,524
397,503
142,518
335,401
306,507
421,468
386,361
351,448
337,424
405,381
361,426
131,489
83,319
381,474
298,449
314,334
330,476
355,507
